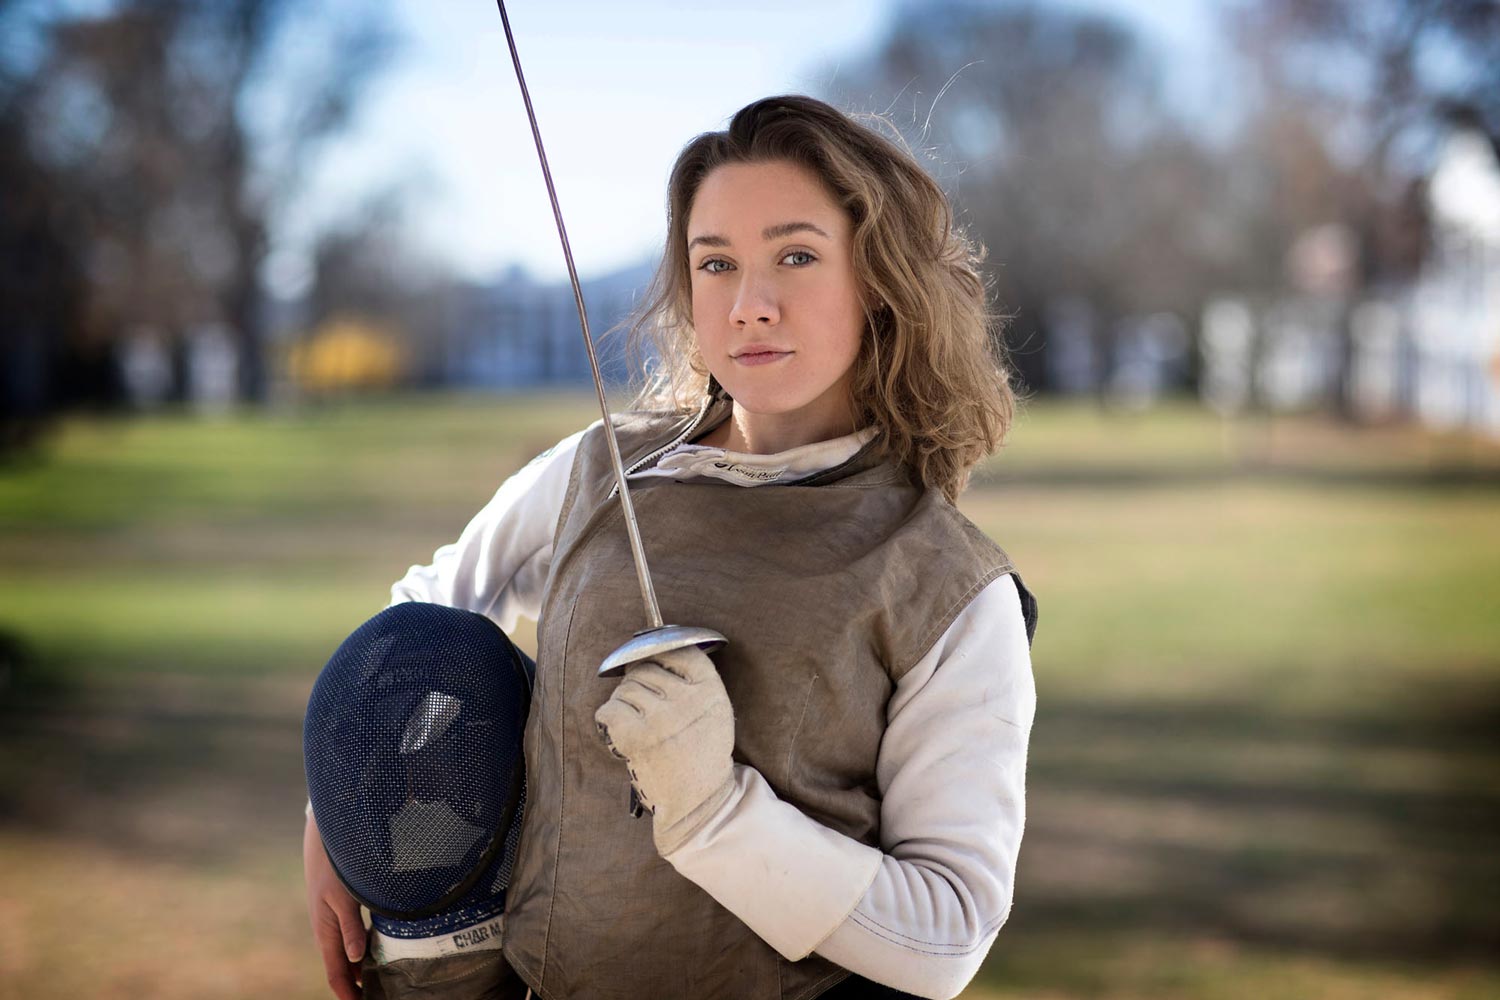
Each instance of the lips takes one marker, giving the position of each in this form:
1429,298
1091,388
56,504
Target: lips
759,354
760,357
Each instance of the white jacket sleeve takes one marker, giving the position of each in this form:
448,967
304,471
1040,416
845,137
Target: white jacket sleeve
498,567
920,913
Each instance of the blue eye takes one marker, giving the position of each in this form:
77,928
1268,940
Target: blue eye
707,267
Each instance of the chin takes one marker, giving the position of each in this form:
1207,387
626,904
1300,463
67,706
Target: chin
761,402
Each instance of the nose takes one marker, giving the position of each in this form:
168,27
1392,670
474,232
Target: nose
755,303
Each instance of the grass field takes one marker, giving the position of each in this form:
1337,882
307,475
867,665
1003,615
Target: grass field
1266,760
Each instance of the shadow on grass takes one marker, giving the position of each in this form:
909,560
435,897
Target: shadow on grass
1355,838
1338,836
202,771
24,676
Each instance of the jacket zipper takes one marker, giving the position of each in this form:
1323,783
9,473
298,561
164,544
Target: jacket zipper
697,421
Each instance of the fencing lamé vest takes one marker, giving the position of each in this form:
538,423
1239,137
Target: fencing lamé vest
828,589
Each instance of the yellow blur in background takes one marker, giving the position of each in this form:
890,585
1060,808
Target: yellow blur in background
346,353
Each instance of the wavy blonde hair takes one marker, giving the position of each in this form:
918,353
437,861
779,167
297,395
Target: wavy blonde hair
930,373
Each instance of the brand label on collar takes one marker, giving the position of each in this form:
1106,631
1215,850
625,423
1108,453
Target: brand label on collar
734,472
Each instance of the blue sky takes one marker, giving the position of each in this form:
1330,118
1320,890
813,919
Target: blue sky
618,87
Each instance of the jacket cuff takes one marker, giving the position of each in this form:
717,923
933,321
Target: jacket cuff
791,879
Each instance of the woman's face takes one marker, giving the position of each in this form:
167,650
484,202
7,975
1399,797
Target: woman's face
776,305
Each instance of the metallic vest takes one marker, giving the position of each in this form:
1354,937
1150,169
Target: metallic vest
828,590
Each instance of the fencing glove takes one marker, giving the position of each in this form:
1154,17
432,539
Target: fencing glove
670,720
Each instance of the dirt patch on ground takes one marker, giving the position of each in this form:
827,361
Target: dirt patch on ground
152,840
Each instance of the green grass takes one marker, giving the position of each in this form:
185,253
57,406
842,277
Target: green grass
1268,667
334,461
252,545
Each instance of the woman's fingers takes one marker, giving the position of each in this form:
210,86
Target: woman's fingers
654,699
689,663
338,931
351,927
645,687
342,974
654,677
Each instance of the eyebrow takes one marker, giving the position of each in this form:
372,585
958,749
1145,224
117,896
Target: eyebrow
769,233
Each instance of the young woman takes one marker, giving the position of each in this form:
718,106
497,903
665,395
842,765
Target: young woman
837,798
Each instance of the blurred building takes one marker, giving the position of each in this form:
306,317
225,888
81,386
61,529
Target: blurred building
1134,362
1455,306
1429,350
517,332
199,366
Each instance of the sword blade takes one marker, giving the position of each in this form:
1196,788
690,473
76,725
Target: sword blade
637,550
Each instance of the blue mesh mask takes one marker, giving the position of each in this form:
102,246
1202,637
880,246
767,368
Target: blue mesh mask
412,745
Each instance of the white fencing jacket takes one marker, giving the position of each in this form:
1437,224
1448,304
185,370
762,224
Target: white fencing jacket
919,914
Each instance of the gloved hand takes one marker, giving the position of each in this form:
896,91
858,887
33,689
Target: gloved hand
671,721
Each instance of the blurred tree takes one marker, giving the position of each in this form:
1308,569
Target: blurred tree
361,266
40,281
179,130
1380,81
1348,104
1070,166
368,268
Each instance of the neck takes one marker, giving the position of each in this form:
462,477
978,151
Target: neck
769,433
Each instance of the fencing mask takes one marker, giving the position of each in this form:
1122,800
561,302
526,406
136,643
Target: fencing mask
412,745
